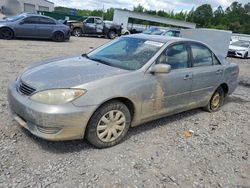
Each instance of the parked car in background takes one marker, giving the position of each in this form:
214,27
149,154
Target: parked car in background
131,80
239,49
161,31
33,26
95,26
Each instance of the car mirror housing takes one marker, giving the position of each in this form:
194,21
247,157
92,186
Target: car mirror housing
160,69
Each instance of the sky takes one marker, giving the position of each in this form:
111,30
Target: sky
167,5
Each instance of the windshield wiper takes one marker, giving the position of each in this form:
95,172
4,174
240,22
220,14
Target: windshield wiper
99,60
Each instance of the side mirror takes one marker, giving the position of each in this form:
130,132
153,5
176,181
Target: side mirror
160,69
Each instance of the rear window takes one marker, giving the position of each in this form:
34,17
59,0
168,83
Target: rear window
202,56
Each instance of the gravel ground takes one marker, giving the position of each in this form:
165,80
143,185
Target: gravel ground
156,154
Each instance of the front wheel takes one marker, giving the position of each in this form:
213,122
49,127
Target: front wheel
216,100
111,34
6,34
77,32
108,125
58,37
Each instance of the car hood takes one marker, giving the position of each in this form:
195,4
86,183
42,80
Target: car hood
67,73
238,48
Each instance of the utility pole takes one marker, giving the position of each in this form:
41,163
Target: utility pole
103,12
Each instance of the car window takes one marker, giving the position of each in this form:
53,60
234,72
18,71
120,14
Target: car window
170,33
31,20
126,53
176,56
215,60
201,55
46,21
98,20
90,20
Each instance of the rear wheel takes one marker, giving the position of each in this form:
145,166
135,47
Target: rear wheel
6,33
77,32
58,37
108,125
111,34
216,100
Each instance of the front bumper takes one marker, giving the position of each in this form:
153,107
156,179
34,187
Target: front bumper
232,53
50,122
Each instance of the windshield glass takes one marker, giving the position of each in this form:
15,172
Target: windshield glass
150,30
126,53
241,44
15,18
157,32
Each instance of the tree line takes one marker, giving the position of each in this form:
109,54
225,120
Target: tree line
236,17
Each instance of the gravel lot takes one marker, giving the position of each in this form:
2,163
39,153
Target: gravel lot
156,154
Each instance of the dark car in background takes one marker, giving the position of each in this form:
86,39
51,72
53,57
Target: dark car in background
162,31
95,26
33,26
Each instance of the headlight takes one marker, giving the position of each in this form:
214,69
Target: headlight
57,96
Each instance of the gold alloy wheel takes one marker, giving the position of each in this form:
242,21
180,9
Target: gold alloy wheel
215,103
111,126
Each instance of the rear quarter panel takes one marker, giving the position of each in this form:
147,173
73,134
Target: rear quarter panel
231,74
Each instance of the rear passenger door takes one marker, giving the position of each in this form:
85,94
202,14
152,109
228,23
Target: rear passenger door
207,73
45,27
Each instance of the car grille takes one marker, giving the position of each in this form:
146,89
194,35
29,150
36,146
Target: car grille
25,89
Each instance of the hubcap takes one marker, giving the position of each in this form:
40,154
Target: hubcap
111,126
77,33
215,101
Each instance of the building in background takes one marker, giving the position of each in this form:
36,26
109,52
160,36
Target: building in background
19,6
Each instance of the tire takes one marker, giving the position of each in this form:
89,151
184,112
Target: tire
111,34
109,125
58,36
246,55
216,101
77,32
6,34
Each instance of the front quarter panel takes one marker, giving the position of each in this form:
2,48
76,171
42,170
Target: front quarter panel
129,86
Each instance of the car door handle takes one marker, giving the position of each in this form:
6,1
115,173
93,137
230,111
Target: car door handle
219,71
187,76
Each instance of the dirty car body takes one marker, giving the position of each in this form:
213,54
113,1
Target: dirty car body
134,70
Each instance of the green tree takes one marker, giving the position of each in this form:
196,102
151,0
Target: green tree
203,15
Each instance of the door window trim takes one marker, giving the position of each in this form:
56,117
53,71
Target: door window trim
203,45
185,43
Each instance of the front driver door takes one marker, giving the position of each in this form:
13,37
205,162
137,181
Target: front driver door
27,27
169,93
89,26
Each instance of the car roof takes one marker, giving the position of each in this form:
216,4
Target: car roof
158,38
34,14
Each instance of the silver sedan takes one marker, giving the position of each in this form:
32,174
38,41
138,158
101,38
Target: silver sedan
129,81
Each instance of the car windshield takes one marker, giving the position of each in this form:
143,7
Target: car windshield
157,32
150,30
15,18
241,44
126,53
